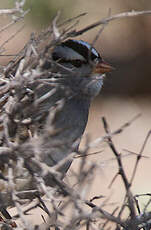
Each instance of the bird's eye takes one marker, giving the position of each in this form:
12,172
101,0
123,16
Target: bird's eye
77,63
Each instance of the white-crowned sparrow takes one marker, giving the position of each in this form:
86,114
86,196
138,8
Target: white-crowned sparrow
81,76
76,71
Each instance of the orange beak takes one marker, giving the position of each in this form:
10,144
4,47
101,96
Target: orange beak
102,67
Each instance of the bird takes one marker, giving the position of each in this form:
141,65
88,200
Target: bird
75,70
49,126
82,71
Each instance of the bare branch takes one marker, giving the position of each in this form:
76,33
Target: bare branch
109,19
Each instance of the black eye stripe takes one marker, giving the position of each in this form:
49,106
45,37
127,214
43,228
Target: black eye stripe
80,47
55,56
76,62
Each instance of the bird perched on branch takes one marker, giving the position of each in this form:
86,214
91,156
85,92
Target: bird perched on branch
47,110
73,75
78,71
81,71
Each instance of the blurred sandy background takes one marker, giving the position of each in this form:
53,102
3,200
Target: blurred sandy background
126,44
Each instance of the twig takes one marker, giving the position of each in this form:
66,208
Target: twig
71,19
118,131
139,156
121,170
56,32
106,215
11,37
18,8
107,20
14,21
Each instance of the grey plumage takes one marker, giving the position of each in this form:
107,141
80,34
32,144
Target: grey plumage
47,111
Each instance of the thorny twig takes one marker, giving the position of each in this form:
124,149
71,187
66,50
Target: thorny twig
121,170
17,9
106,20
139,156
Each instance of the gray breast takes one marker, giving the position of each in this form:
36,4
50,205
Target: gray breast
70,123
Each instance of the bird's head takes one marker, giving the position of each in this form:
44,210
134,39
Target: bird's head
81,65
